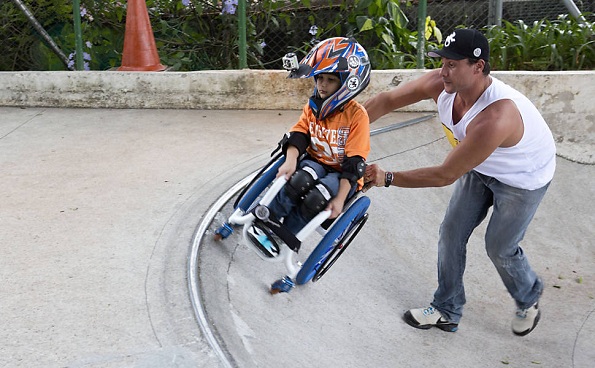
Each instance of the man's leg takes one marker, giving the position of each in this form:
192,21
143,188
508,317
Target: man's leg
513,211
467,209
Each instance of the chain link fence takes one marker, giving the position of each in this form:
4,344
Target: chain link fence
290,27
476,13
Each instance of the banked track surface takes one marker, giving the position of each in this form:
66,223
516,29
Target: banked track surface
351,317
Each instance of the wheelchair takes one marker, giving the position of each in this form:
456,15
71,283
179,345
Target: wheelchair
251,212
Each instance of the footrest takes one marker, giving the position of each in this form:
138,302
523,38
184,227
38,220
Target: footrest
280,231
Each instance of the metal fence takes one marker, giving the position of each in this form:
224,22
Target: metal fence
476,13
24,48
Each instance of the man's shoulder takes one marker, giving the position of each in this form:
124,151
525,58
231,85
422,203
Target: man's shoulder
503,88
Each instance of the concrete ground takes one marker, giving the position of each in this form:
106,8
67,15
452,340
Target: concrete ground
100,208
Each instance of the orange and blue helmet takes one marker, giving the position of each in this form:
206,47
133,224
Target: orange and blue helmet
341,56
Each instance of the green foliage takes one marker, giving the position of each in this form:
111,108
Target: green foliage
203,35
383,30
20,42
563,44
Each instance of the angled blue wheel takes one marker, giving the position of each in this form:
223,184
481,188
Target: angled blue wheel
335,241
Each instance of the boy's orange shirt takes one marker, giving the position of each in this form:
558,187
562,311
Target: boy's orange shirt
344,133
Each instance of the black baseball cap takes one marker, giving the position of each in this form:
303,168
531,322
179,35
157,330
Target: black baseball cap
463,44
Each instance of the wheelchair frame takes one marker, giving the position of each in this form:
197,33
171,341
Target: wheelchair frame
335,237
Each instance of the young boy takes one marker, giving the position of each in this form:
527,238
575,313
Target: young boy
332,135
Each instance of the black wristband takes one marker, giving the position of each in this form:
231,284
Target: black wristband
388,179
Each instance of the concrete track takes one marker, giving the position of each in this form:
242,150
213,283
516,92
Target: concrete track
100,209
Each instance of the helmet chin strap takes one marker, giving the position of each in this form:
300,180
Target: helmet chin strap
316,103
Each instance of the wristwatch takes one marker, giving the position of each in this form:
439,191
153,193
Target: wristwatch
388,179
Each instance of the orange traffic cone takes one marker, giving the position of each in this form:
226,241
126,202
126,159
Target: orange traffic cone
140,51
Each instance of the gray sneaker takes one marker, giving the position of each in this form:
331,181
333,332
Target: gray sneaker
425,318
525,320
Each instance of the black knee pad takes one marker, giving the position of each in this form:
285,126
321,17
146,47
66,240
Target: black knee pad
315,201
300,183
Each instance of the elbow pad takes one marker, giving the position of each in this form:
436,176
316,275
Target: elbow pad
299,140
353,168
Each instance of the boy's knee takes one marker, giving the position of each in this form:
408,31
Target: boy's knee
315,201
300,183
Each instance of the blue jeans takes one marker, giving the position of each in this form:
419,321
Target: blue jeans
284,208
513,210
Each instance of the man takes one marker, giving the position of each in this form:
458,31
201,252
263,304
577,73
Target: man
503,157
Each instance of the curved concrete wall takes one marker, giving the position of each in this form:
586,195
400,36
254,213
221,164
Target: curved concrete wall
564,98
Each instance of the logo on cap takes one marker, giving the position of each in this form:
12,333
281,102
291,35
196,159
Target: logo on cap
450,38
463,43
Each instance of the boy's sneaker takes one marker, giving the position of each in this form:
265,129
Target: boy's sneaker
261,240
525,320
425,318
283,285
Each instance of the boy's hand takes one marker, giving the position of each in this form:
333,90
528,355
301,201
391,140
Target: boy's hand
336,207
290,165
287,169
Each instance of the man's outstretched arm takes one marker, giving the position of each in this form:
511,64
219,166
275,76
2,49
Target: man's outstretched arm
427,86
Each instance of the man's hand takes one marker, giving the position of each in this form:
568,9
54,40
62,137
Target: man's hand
374,177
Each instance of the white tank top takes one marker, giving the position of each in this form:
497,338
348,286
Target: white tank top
531,163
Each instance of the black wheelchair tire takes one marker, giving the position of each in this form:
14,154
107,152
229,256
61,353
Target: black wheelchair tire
332,241
338,250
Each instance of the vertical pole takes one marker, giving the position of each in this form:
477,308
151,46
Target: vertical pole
78,35
242,33
495,13
39,28
421,32
574,11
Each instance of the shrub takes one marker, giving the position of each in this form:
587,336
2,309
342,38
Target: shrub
563,44
203,35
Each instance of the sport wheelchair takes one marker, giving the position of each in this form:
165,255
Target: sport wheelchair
251,211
